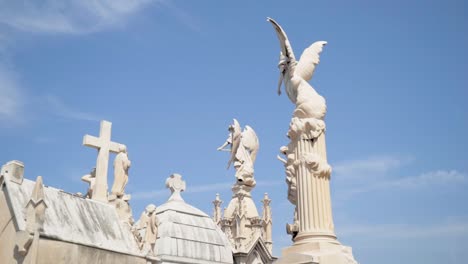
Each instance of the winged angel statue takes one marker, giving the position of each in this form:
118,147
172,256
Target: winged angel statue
309,104
244,148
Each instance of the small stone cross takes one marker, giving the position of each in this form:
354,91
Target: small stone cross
104,145
176,185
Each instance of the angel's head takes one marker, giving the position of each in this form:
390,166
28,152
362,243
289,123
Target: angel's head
283,63
122,148
284,150
150,208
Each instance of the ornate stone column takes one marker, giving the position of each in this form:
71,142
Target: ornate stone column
309,178
313,179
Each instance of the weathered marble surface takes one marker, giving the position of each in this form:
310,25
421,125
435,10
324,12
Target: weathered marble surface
74,219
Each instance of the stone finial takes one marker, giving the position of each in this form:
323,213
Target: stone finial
266,200
217,209
34,216
37,195
266,207
267,222
14,171
176,185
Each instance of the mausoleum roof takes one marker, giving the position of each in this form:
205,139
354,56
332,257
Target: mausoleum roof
74,219
188,235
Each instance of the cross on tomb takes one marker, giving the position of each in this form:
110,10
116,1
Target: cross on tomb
104,145
176,185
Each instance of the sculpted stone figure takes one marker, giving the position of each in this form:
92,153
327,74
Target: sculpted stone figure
148,227
307,169
290,173
296,74
244,148
91,179
121,166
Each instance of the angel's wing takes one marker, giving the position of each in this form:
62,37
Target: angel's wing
250,142
286,48
236,134
309,59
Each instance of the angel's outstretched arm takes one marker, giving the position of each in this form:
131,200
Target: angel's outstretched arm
226,143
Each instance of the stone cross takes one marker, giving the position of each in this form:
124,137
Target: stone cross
176,185
104,145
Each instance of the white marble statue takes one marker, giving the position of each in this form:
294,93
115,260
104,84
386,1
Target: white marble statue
121,166
91,179
244,148
104,145
305,160
288,162
148,228
296,74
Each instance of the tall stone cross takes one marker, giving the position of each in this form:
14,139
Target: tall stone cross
104,145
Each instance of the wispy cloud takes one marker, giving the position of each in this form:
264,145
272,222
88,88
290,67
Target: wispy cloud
58,107
68,16
431,178
214,187
191,189
369,167
424,180
11,97
185,18
407,231
384,172
44,17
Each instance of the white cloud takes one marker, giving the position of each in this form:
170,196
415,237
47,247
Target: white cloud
11,98
58,107
68,16
376,166
191,189
431,178
197,189
182,16
427,179
52,16
407,231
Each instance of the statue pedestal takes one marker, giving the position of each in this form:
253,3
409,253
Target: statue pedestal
242,197
318,252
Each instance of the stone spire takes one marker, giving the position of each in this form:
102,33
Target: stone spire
217,209
27,241
267,222
36,206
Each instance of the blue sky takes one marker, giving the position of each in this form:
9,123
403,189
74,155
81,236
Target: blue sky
171,75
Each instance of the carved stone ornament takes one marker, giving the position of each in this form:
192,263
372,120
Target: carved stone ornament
316,165
305,128
176,185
